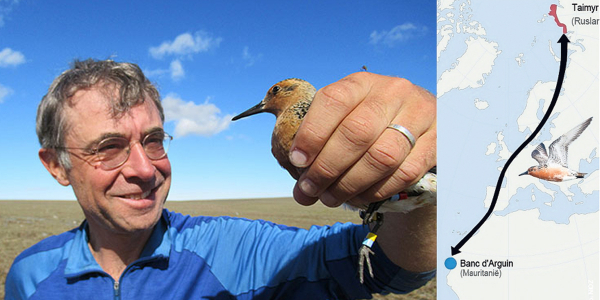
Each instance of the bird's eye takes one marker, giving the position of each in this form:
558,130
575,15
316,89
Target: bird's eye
275,89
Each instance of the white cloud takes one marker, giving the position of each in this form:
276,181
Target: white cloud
190,118
4,92
249,58
155,73
397,34
9,57
186,44
5,9
176,69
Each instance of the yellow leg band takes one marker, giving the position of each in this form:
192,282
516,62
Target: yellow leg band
370,239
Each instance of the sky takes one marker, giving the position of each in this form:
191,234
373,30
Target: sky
210,61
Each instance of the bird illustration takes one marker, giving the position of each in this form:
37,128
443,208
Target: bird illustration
289,100
553,166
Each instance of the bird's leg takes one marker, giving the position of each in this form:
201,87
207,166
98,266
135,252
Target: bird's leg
424,192
369,216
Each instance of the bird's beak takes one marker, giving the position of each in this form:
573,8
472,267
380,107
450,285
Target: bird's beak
524,173
258,108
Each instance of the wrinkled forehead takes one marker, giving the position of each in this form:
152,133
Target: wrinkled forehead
116,101
96,106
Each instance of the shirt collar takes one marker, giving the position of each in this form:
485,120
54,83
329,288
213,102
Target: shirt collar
80,260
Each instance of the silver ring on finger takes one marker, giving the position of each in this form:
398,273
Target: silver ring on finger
405,132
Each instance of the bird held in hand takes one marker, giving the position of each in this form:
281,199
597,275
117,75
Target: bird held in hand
289,100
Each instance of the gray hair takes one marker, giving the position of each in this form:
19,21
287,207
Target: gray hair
127,78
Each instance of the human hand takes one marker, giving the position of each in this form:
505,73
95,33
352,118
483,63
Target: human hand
345,145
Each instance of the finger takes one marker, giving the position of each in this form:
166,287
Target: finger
385,157
367,162
301,198
332,102
329,107
357,132
422,158
347,139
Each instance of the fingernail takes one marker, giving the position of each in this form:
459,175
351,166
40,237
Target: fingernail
308,188
298,158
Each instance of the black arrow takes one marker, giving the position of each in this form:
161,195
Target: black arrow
561,76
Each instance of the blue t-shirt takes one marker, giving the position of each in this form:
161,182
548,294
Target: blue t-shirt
212,258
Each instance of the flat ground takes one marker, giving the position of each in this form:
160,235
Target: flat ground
23,223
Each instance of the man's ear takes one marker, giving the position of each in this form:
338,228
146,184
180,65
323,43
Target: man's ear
50,160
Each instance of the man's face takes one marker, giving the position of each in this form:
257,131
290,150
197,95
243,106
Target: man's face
129,198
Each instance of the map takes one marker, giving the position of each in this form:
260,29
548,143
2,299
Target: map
513,75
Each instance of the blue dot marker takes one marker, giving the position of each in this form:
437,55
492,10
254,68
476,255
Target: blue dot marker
450,263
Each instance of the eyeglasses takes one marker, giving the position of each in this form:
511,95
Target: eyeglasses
113,152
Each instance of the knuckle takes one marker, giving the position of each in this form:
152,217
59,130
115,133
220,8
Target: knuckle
408,173
380,194
426,103
377,109
323,171
401,84
355,79
358,131
427,155
343,190
403,177
426,94
384,157
384,193
334,96
310,135
428,107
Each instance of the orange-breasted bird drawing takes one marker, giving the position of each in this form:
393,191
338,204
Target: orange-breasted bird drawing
553,166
